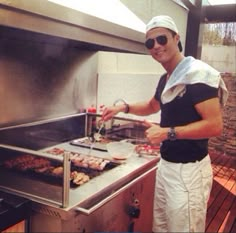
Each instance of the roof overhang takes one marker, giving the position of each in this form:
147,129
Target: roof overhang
219,13
48,18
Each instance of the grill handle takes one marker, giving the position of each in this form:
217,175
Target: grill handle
113,195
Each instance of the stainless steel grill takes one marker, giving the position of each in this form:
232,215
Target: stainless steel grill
61,208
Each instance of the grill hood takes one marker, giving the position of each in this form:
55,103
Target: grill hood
87,28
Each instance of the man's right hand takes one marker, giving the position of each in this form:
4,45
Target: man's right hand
109,112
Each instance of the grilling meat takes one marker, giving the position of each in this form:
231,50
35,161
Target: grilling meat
27,162
79,178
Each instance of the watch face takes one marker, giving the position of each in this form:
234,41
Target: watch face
172,134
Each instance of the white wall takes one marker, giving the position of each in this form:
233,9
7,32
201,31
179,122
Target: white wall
110,62
129,76
130,87
222,58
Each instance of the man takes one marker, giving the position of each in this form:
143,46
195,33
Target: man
187,95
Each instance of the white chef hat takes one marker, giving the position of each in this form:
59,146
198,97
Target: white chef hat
163,21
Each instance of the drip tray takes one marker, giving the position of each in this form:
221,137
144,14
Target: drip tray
85,142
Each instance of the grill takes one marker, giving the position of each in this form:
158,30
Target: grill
112,184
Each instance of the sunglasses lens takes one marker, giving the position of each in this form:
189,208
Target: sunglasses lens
162,40
150,43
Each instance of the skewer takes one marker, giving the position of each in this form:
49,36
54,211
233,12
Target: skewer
95,139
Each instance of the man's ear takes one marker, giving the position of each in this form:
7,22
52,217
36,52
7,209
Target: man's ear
177,36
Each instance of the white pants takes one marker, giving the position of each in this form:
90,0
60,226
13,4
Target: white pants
181,195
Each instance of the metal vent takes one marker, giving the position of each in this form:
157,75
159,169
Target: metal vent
47,211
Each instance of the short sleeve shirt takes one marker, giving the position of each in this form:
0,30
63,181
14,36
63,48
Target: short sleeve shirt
181,111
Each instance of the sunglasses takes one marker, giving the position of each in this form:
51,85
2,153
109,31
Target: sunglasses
161,40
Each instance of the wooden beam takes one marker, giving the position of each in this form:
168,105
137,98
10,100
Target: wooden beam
193,45
220,13
191,5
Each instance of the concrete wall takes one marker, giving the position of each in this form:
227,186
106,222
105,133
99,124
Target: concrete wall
222,58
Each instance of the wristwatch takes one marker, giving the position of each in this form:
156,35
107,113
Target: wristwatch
171,135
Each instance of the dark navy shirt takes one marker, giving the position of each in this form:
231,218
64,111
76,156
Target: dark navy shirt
179,112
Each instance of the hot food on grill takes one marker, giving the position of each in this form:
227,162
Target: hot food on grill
146,149
27,162
83,167
82,160
79,177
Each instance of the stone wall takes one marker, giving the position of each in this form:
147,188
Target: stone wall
226,143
